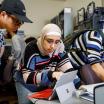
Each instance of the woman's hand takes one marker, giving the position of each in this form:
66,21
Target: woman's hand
57,75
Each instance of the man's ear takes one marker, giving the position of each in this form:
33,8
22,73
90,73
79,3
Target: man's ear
3,13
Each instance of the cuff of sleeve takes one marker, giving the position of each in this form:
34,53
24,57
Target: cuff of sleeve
50,76
97,61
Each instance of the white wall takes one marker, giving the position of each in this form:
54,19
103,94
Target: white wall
40,12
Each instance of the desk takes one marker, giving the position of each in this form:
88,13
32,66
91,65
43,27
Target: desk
72,100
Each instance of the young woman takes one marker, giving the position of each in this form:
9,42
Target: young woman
44,62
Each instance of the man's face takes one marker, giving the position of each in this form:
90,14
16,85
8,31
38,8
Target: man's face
10,22
50,43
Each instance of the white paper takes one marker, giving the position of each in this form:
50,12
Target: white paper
66,78
89,88
65,91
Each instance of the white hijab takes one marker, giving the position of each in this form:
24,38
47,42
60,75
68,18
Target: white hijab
50,29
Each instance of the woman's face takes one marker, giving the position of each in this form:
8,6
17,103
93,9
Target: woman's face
50,43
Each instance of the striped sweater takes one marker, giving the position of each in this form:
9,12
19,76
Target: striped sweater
88,48
38,69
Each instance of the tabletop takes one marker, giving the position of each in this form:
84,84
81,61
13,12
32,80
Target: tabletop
72,100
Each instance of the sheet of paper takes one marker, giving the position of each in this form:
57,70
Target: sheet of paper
66,78
89,87
87,96
65,92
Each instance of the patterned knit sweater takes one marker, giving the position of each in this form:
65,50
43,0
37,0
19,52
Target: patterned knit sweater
38,68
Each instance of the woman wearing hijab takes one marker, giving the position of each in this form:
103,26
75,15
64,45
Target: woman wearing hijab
44,62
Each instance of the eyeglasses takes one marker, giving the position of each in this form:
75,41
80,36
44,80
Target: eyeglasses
16,21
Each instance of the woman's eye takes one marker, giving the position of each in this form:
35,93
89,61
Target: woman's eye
57,42
49,41
53,42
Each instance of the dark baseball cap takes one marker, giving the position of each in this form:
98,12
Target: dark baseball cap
15,7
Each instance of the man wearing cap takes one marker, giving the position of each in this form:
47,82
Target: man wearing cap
44,62
12,16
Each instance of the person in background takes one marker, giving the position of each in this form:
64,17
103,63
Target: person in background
88,50
44,62
18,47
